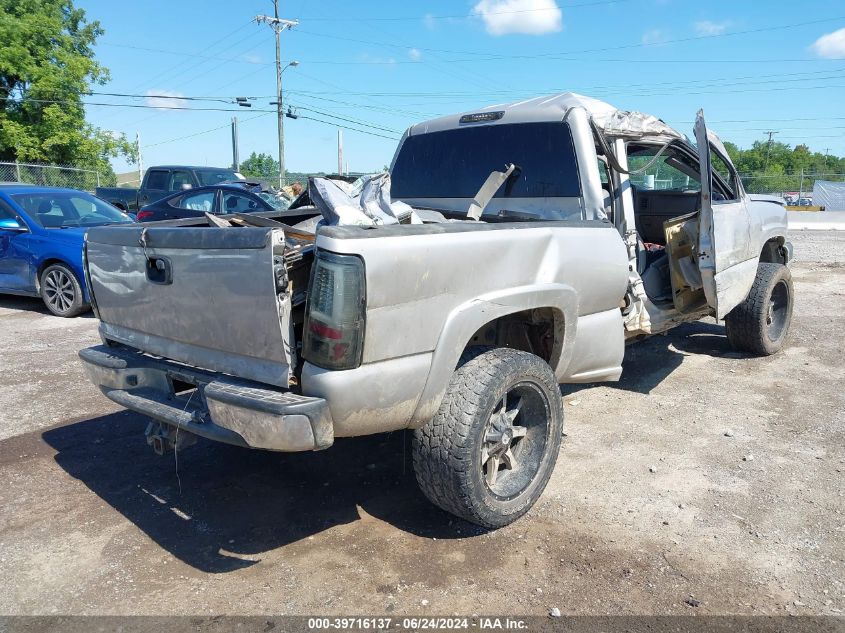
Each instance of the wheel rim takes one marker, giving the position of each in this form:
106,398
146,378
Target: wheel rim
777,313
58,290
514,440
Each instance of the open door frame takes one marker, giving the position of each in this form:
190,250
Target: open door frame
726,260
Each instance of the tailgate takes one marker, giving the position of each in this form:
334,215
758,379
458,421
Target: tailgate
207,297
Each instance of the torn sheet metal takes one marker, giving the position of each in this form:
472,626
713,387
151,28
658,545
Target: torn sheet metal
634,124
368,204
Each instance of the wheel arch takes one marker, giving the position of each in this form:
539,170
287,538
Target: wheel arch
475,322
45,263
773,251
50,260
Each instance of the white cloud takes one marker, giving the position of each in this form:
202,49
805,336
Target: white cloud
654,37
166,99
252,58
429,21
706,27
528,17
830,46
415,54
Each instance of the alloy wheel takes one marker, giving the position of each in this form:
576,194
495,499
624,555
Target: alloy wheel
58,290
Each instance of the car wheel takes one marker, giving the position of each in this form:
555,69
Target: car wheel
61,292
760,324
488,453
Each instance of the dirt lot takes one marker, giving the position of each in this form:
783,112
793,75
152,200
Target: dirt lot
744,511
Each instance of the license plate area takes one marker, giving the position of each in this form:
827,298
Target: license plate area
180,384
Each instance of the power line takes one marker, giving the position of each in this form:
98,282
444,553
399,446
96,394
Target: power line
615,60
214,129
554,55
340,118
461,16
145,106
164,51
773,78
345,127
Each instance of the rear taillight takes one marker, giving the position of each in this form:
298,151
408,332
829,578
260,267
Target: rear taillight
143,215
333,336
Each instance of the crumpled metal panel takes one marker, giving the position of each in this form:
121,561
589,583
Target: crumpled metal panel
369,204
634,124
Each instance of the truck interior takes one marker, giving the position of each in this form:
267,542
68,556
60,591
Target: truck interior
665,185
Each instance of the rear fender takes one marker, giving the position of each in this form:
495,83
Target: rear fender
467,318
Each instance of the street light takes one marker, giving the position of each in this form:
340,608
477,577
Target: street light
280,109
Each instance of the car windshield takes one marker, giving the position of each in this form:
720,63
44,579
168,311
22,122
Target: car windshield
215,176
65,209
277,203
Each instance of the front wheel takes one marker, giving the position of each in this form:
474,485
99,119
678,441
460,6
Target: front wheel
488,453
61,292
760,324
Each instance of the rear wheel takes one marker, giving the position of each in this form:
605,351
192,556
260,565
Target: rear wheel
61,292
490,450
760,324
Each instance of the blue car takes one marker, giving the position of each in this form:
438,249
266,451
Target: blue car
42,230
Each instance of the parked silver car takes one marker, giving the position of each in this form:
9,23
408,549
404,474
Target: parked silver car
554,231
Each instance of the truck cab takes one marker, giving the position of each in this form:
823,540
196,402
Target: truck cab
164,180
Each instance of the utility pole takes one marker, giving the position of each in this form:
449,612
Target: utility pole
801,185
140,160
340,152
236,163
278,25
769,147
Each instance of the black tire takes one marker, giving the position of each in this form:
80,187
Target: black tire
760,324
61,292
460,464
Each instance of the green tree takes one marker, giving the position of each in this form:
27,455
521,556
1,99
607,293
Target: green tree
260,166
46,65
778,167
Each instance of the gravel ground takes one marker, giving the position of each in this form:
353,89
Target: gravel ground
703,477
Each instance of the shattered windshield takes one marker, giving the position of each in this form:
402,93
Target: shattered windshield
455,163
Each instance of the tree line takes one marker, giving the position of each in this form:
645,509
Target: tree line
777,167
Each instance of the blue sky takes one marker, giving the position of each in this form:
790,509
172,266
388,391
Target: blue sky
753,67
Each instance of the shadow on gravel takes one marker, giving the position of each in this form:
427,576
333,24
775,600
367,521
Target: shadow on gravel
32,304
237,502
648,362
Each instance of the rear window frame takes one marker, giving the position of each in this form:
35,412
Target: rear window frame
573,188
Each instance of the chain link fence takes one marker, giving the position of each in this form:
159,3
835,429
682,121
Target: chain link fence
51,175
778,184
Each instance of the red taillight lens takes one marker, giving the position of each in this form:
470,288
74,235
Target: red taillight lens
334,318
143,215
324,331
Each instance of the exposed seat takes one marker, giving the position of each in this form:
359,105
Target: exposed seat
653,207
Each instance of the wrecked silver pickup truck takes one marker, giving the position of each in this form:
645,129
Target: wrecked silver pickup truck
461,320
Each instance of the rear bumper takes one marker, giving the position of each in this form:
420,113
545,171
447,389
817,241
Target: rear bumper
220,408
